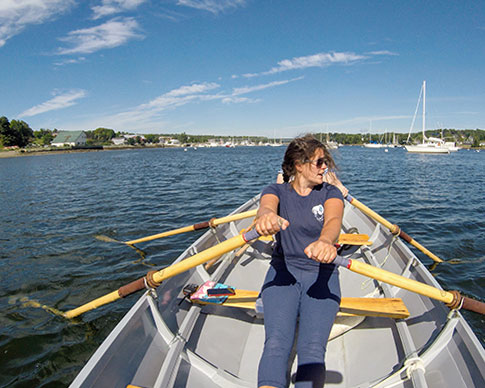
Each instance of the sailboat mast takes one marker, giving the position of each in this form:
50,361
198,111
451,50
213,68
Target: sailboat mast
424,109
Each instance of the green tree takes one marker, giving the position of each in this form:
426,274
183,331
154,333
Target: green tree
103,135
7,135
43,136
151,138
23,133
182,138
131,141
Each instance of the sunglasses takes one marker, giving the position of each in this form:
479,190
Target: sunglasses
319,162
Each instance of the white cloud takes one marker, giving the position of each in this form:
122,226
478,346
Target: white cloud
58,102
315,60
383,52
239,100
150,113
113,33
193,89
250,89
178,97
16,15
110,7
170,100
70,61
213,6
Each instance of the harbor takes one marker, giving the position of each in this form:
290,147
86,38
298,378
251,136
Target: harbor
60,204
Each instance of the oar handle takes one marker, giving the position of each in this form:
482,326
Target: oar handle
452,299
473,305
342,262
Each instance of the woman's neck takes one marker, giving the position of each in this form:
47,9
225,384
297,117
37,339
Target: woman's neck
301,185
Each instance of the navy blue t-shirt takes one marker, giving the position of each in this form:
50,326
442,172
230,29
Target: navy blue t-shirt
306,215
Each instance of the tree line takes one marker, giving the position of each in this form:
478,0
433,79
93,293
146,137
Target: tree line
17,133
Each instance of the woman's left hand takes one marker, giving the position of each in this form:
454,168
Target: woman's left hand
321,251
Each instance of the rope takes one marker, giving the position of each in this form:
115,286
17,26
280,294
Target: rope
415,112
366,282
413,364
410,365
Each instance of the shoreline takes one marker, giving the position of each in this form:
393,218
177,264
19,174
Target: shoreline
38,152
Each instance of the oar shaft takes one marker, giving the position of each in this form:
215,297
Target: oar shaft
392,227
161,235
168,272
371,213
108,298
234,217
202,257
417,245
453,299
202,225
395,280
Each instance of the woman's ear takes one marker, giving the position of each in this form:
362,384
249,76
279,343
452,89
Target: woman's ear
299,166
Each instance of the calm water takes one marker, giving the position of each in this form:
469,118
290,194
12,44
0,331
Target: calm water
53,207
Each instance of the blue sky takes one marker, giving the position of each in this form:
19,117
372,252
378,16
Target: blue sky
242,67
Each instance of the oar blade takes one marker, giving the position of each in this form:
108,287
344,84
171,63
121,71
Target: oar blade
375,307
104,238
354,239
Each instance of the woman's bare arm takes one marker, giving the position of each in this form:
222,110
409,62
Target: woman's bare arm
267,220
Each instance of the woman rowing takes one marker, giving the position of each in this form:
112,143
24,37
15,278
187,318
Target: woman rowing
306,214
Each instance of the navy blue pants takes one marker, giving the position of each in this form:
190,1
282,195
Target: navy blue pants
289,292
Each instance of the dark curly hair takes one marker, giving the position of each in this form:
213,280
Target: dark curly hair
301,150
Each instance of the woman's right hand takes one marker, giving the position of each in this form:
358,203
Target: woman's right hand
270,223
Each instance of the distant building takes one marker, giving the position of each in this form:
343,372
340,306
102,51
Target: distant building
174,142
118,140
69,138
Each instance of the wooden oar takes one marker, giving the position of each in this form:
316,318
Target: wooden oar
452,299
203,225
154,278
396,230
375,307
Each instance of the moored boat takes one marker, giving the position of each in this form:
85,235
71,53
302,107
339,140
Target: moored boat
430,145
374,145
167,341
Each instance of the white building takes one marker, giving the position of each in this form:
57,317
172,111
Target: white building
69,138
118,140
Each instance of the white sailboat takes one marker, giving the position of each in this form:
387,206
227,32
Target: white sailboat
430,145
452,146
331,145
370,144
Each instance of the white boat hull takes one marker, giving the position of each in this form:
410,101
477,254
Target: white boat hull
427,149
374,145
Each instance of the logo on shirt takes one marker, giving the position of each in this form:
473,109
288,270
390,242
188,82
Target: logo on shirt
318,212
